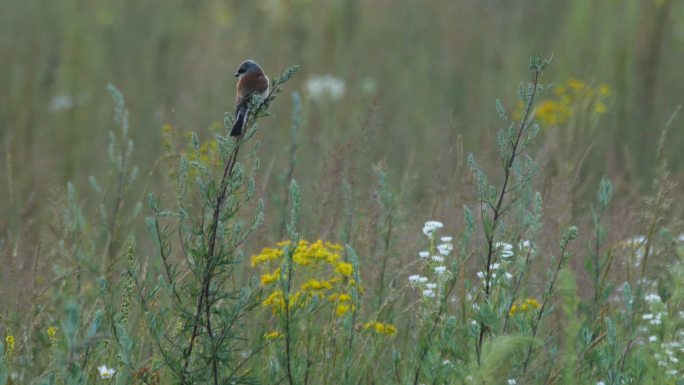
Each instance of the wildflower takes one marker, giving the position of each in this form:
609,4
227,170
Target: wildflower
445,248
652,339
431,226
600,108
381,328
431,286
9,341
514,309
422,280
656,322
440,269
52,334
506,249
533,303
508,275
344,268
340,298
105,372
390,329
272,335
414,278
494,266
525,244
325,86
447,239
343,308
604,90
647,316
428,293
267,278
424,254
652,298
438,258
481,274
511,381
600,383
576,84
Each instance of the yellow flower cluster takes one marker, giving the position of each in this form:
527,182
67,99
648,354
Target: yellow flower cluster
9,345
569,98
522,307
272,335
381,328
52,334
319,269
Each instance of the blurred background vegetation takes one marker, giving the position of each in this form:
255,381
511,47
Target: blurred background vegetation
411,91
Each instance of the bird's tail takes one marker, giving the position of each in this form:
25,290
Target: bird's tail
239,122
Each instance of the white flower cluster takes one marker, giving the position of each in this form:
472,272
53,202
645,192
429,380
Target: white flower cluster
505,249
431,227
327,86
433,258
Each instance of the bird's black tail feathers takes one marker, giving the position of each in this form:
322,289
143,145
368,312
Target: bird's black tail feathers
239,122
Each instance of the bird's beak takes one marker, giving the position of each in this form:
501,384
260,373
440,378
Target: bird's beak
237,75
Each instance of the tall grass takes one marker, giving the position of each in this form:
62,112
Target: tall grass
503,295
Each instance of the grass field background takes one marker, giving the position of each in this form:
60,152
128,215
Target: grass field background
376,127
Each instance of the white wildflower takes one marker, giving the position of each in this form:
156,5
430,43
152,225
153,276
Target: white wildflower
494,266
105,372
647,316
431,286
325,87
438,258
447,239
440,269
508,275
600,383
525,244
428,293
424,254
430,227
511,381
481,274
445,248
652,339
653,298
506,249
414,278
422,280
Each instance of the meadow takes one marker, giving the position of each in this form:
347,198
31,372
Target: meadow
445,192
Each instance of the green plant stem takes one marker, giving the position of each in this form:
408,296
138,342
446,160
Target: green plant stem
497,210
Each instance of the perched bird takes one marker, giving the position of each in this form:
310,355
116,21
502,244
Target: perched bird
251,81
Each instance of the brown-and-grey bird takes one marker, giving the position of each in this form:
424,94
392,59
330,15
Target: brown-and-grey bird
251,81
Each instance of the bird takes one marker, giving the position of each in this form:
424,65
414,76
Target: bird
251,81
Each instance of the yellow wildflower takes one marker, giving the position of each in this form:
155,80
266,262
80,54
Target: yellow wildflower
533,303
275,299
272,335
340,298
576,84
604,90
344,268
600,108
381,328
52,334
390,329
343,308
267,278
9,342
